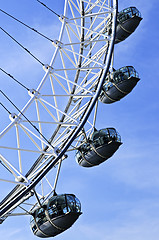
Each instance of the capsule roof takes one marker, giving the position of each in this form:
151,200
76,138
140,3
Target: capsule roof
124,73
109,132
128,13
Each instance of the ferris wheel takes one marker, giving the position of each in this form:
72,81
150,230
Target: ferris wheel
59,115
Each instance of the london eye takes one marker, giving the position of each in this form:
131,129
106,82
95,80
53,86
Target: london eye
56,115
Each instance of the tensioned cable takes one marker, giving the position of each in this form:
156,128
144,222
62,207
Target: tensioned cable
22,46
33,29
48,8
25,117
5,108
8,74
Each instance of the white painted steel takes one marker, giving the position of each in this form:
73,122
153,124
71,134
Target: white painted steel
85,59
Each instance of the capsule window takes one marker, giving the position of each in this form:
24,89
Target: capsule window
78,205
132,72
125,71
136,12
73,204
33,225
104,136
112,134
40,216
107,86
118,137
127,10
128,13
101,137
84,148
57,206
52,210
124,15
119,76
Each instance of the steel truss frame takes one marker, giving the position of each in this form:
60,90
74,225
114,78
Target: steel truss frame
75,75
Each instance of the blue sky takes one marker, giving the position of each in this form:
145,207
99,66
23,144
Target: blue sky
120,198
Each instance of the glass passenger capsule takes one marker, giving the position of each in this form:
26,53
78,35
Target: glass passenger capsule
56,215
127,21
101,146
118,84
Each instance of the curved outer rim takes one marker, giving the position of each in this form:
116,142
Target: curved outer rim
88,112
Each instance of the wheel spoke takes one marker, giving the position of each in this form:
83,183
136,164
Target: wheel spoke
60,113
